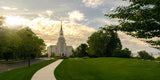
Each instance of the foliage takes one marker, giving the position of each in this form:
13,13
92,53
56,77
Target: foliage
103,42
140,19
53,54
125,53
81,51
19,43
61,57
158,58
24,73
85,57
44,55
107,69
1,20
145,55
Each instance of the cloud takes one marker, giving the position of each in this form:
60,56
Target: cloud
8,8
48,29
111,22
26,10
112,8
12,21
49,12
76,16
135,44
92,3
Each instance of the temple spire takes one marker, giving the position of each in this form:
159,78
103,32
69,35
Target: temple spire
61,26
61,31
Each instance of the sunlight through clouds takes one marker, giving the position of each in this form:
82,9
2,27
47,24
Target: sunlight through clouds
15,20
48,29
8,8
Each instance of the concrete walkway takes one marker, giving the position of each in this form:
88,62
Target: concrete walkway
46,73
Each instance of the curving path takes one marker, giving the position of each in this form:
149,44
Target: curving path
46,73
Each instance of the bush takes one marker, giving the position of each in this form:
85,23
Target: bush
85,57
52,54
44,55
125,53
61,57
145,55
158,58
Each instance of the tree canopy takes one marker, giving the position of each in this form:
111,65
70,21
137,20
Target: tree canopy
140,19
19,43
103,42
81,51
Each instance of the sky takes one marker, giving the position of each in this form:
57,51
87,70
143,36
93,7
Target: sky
80,19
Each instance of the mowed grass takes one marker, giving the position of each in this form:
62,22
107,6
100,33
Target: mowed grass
24,73
108,69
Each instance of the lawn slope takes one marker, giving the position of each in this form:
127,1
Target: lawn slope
24,73
108,69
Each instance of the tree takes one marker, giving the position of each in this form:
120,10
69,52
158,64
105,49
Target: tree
9,43
145,55
103,42
125,53
81,51
141,19
31,44
19,43
2,20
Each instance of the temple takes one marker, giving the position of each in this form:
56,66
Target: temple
61,49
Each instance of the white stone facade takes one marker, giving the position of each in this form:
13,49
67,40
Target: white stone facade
61,49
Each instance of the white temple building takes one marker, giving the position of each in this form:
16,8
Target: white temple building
61,49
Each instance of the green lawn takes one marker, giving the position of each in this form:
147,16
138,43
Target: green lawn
24,73
108,69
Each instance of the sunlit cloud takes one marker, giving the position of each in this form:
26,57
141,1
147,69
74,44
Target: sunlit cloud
134,44
41,15
49,12
26,10
92,3
8,8
76,16
15,20
48,30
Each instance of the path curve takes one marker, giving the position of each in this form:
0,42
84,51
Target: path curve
46,73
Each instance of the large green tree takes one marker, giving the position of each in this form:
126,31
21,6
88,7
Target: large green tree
19,43
81,50
140,19
103,42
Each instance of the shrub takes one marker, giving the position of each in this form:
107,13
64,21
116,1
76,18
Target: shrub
125,53
52,54
44,55
61,57
85,57
158,58
145,55
71,56
64,57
